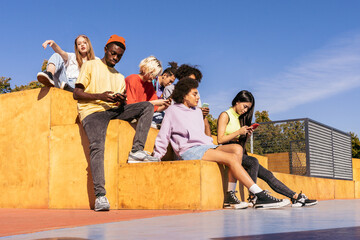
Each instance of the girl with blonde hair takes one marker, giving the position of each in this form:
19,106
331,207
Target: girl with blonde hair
63,67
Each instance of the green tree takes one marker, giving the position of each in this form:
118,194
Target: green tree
5,85
44,64
277,137
355,143
262,116
6,88
31,85
213,124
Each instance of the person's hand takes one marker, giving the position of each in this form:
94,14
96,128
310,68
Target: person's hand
48,42
121,98
244,130
205,111
161,102
107,96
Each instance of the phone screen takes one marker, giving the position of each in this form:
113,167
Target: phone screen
205,105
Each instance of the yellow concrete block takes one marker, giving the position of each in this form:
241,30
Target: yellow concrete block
24,147
356,162
356,174
63,107
70,179
325,189
344,189
357,189
213,183
170,185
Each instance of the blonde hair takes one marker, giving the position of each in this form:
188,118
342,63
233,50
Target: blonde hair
90,53
150,65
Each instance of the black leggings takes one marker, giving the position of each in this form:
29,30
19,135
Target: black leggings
255,170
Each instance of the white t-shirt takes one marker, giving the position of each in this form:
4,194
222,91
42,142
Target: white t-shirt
72,67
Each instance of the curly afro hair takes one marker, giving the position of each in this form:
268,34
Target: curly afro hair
185,71
182,88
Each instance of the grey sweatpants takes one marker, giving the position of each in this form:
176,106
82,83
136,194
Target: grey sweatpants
95,126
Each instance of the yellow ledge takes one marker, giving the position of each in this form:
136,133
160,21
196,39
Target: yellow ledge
45,164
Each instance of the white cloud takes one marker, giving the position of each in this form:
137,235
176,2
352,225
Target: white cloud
326,72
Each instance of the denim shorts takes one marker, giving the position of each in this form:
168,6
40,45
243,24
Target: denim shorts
196,152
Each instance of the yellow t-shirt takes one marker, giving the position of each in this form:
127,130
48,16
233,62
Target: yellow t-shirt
234,123
97,77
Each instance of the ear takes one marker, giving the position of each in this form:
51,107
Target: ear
105,48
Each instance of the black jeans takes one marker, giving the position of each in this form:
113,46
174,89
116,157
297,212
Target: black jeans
95,126
255,170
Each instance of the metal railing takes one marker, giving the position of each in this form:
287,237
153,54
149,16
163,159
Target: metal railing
304,147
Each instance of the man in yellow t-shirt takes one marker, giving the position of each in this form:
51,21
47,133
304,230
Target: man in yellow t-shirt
100,91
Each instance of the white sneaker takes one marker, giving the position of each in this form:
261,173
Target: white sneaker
102,204
141,156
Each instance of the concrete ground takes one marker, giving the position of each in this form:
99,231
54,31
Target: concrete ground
333,219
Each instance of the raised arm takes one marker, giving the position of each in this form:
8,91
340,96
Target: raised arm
56,49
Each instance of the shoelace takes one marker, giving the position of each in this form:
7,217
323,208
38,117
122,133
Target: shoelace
102,199
232,194
268,194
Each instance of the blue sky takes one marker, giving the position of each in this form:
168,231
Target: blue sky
300,59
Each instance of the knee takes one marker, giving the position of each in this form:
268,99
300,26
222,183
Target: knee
55,58
235,159
255,161
148,107
238,149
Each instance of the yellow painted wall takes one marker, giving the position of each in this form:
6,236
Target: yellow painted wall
45,164
192,184
24,149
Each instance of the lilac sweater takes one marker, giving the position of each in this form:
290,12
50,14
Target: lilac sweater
183,127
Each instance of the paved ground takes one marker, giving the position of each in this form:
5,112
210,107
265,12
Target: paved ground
335,219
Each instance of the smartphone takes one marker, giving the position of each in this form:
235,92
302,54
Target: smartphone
205,105
255,125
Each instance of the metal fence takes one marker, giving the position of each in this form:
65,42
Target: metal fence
304,147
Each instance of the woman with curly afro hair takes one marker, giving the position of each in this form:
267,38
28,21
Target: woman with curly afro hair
183,128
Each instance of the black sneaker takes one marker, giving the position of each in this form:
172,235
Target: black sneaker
265,200
46,78
231,201
66,87
302,201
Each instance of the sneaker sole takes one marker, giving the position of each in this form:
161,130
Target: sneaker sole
311,204
133,160
102,209
235,206
272,205
44,80
136,161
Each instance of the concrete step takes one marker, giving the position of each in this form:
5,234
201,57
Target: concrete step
46,164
